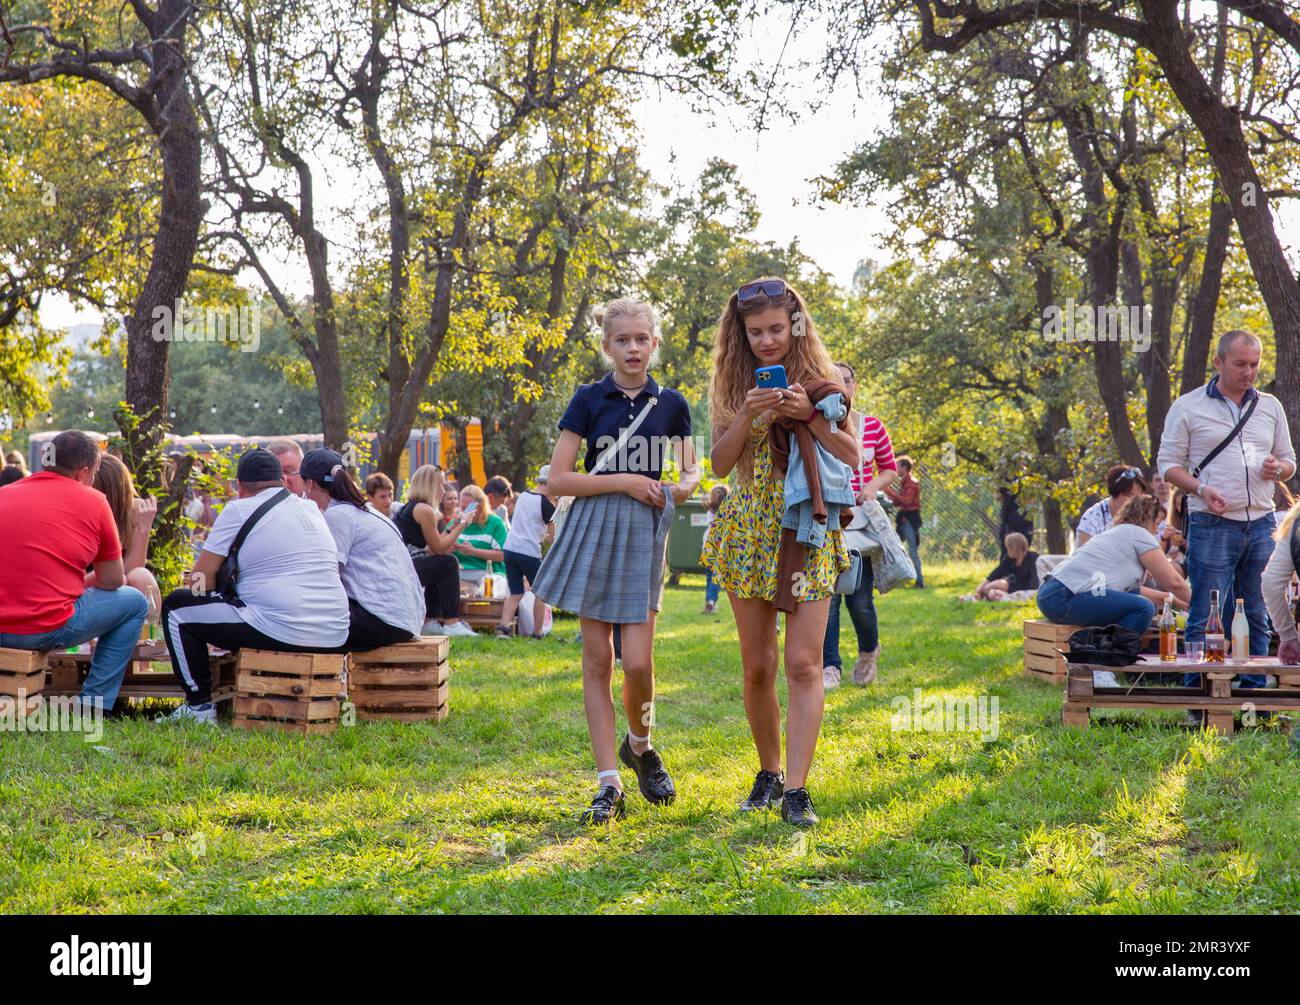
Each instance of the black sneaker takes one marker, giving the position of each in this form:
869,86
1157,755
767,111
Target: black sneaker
651,778
766,792
797,808
607,806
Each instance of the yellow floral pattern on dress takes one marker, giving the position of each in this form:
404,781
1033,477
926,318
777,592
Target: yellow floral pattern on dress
745,537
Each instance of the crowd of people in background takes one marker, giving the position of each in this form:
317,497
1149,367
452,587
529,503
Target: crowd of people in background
336,568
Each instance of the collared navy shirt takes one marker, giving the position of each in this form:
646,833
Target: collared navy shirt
1212,390
600,412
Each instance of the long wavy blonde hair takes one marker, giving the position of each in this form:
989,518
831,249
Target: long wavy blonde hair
734,361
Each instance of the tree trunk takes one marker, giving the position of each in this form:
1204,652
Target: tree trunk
1057,538
1056,418
1103,228
1205,304
1220,127
179,219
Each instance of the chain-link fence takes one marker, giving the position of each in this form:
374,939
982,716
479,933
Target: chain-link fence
960,518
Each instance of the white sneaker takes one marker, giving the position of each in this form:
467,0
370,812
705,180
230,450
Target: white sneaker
830,677
432,627
1104,678
458,628
187,713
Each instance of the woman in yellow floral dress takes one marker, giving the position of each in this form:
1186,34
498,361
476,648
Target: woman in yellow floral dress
766,323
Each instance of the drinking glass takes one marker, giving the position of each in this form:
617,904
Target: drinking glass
1195,651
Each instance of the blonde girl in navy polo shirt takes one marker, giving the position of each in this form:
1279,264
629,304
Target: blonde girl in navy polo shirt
607,563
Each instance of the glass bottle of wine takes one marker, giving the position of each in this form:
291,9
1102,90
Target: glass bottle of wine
1214,641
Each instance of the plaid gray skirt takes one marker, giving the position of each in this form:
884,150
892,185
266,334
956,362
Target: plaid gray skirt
607,563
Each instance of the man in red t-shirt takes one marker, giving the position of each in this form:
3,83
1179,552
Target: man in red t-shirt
907,495
57,526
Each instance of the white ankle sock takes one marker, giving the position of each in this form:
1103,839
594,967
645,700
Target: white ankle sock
639,739
611,774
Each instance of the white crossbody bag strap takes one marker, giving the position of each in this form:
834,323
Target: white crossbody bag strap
562,507
626,435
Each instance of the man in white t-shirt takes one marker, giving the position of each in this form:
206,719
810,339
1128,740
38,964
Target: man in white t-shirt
289,594
522,553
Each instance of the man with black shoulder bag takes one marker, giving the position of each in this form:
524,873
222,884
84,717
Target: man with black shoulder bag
1226,445
272,560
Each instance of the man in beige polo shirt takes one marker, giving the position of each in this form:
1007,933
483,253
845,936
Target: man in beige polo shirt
1230,501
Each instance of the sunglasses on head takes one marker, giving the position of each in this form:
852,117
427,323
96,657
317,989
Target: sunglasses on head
771,288
1130,475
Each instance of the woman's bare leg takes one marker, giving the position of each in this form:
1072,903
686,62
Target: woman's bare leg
804,631
756,626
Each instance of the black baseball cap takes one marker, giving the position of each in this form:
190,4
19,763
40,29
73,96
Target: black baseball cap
258,465
318,465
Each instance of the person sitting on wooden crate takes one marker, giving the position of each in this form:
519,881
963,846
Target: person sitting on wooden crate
272,560
385,598
429,541
479,546
134,516
523,553
1100,584
55,526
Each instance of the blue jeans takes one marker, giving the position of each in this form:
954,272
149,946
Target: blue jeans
1229,556
112,616
862,609
1107,607
712,591
912,539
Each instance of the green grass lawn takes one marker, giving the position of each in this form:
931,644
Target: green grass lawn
478,814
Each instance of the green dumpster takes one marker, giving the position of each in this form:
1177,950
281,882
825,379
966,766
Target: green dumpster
686,538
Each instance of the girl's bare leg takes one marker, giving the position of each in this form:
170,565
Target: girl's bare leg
639,679
597,669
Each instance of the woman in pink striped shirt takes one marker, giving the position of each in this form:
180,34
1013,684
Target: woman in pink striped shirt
878,470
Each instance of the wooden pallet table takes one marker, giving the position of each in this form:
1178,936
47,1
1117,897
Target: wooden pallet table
407,682
1215,696
481,612
22,679
1044,641
288,692
143,679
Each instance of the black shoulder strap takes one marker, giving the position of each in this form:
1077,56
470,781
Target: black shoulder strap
392,525
1245,415
251,522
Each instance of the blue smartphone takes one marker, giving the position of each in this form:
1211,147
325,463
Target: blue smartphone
771,377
